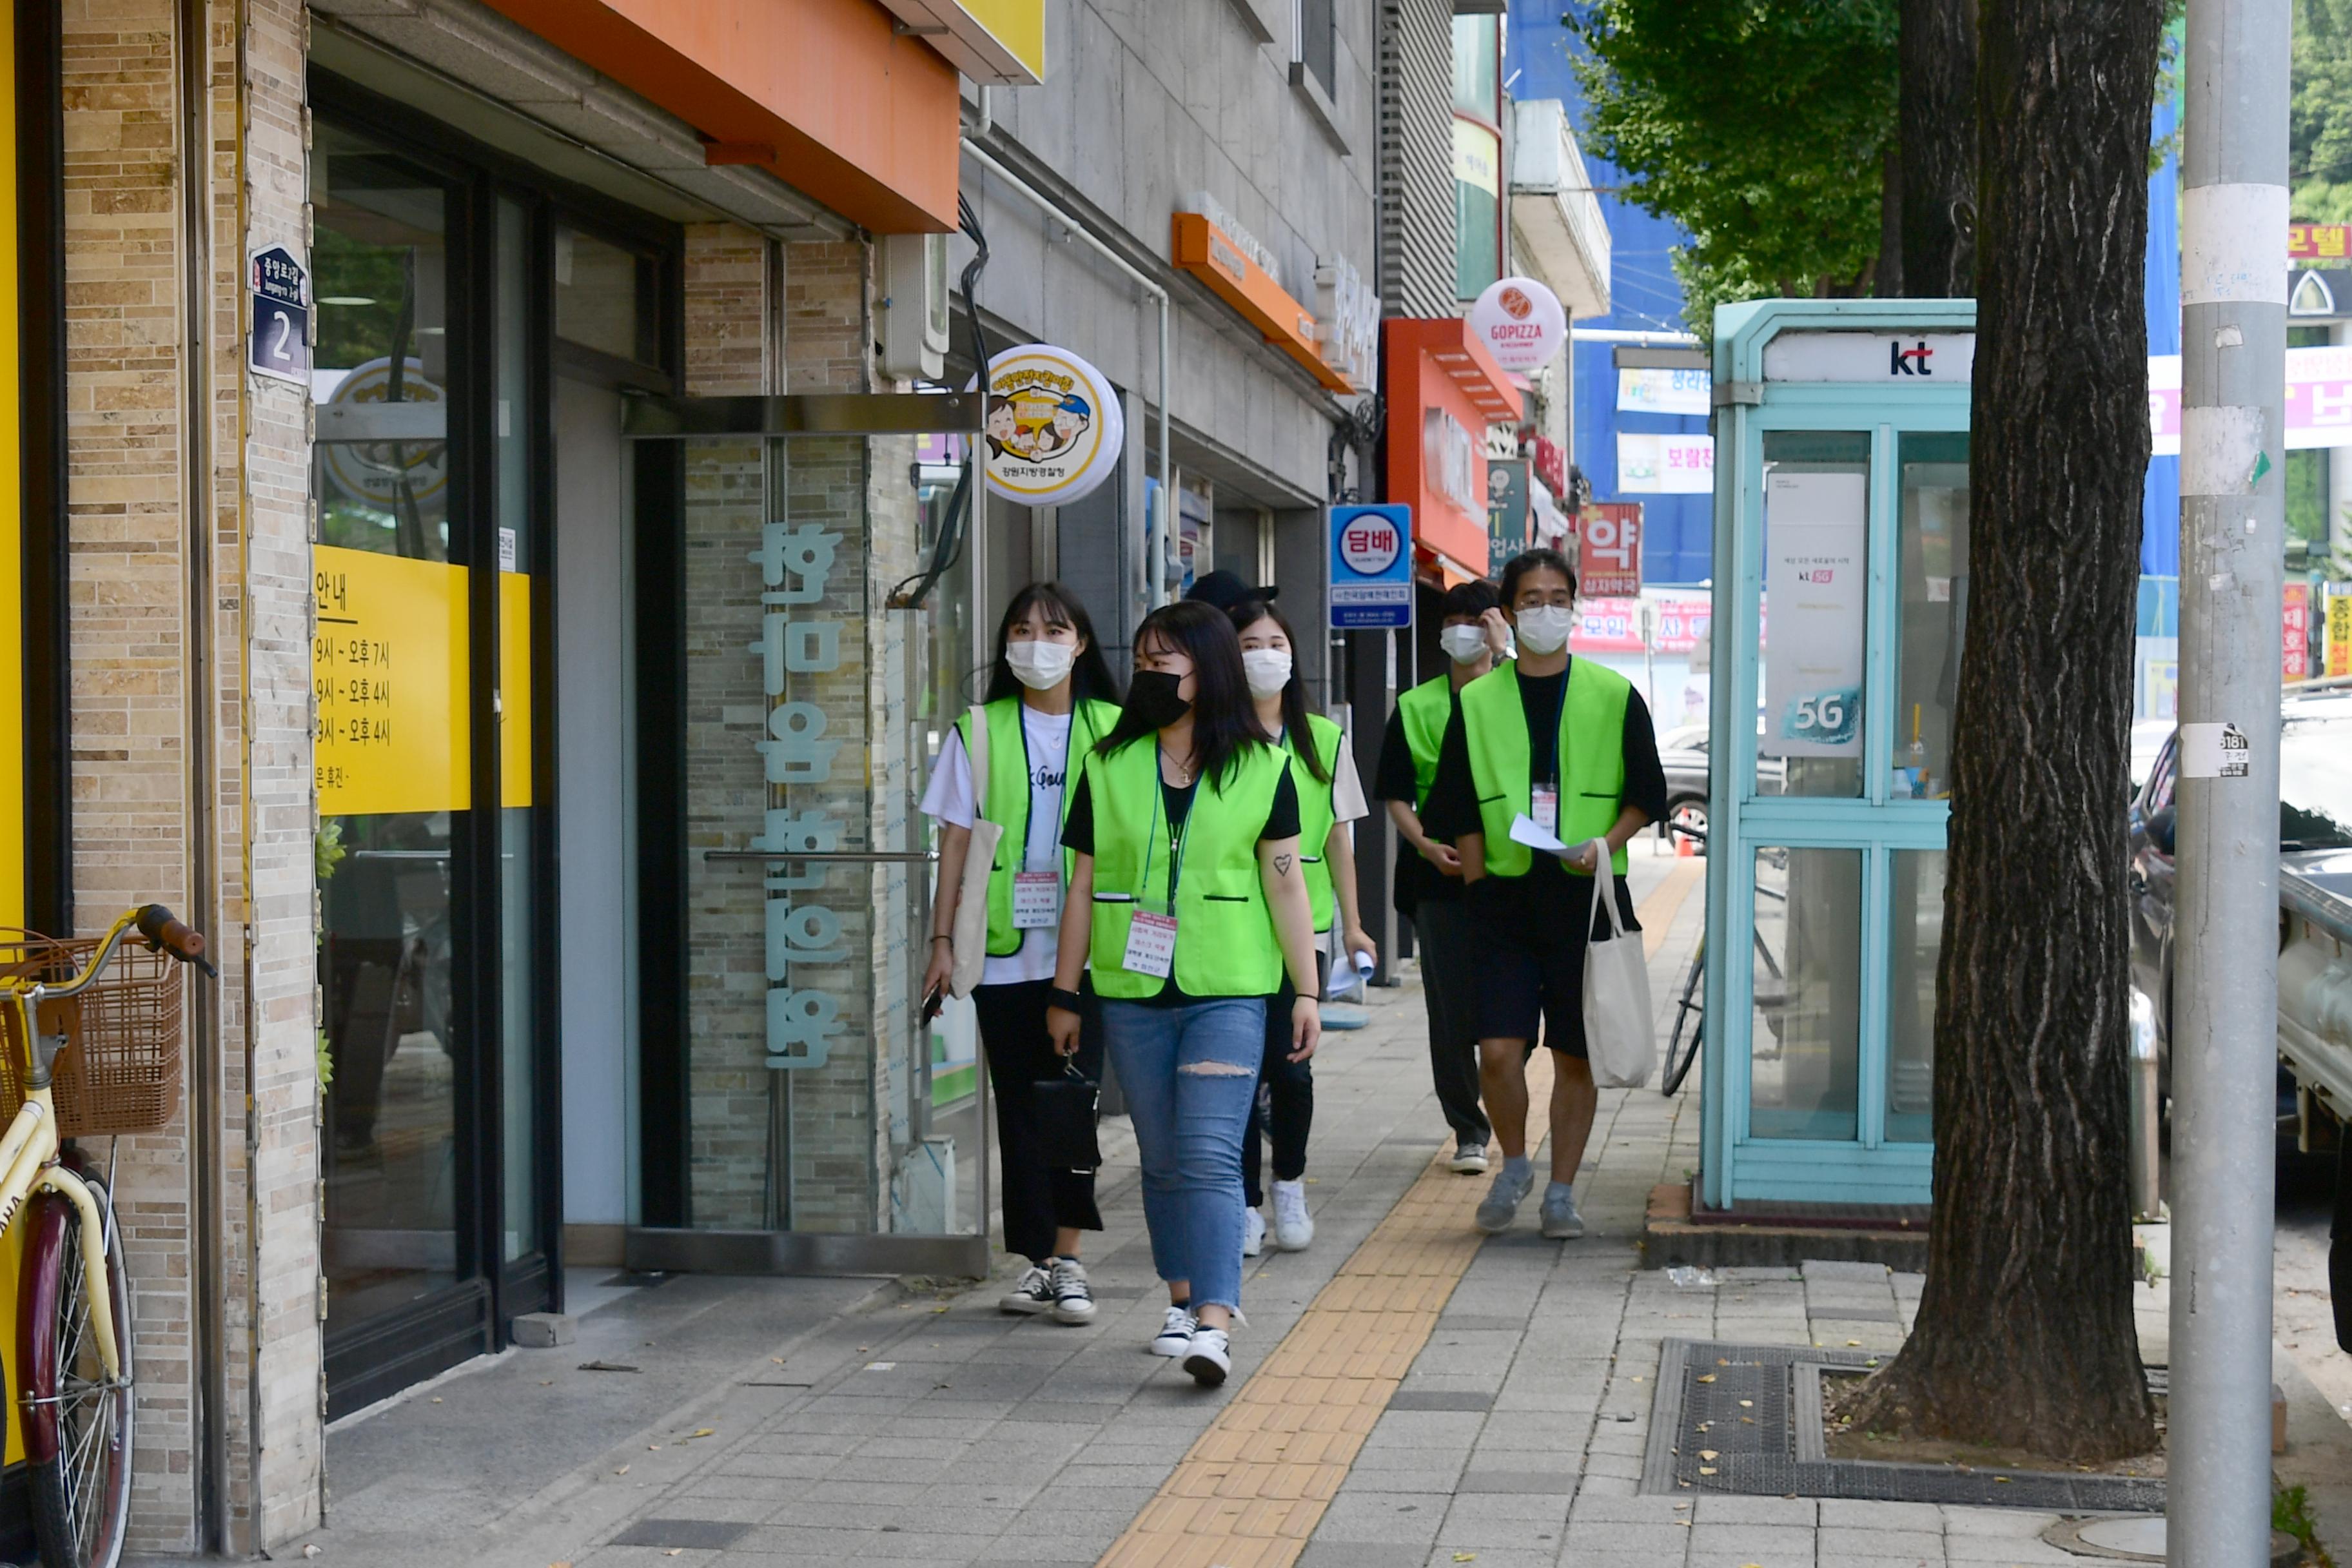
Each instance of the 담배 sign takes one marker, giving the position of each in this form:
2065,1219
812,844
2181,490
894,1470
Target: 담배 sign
1372,567
1053,427
280,343
1814,526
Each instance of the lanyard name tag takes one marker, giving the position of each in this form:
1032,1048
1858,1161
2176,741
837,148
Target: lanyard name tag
1151,945
1036,899
1547,811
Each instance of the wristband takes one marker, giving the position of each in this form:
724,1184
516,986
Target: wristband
1068,1001
943,936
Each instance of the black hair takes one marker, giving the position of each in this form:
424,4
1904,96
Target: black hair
1538,559
1090,677
1473,599
1247,614
1224,719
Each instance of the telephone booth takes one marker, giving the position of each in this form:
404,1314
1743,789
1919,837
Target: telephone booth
1841,574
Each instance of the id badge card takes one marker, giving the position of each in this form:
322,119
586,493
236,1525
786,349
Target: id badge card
1036,899
1547,808
1151,945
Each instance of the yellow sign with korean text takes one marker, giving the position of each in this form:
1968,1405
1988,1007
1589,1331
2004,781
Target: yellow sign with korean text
514,688
388,670
2339,633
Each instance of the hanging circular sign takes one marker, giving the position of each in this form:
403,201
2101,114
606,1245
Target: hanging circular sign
1520,321
1052,428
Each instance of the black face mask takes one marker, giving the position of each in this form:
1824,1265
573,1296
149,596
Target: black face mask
1151,696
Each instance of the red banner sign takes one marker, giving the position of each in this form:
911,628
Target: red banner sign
2318,241
2294,639
1609,557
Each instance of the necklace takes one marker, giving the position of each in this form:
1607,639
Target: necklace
1184,769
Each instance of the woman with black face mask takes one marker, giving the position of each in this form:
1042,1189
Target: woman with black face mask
1188,900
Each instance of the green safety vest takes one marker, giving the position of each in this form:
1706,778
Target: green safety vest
1316,814
1592,759
1004,798
1426,709
1225,943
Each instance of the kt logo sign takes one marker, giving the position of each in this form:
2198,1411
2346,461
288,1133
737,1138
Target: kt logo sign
1912,360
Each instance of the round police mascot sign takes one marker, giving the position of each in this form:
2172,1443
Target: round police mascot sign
1052,428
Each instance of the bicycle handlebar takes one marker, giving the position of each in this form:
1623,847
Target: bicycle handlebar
166,933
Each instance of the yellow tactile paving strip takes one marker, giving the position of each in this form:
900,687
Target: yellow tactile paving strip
1252,1489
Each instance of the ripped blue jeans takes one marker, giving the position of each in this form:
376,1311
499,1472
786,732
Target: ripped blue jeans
1189,1074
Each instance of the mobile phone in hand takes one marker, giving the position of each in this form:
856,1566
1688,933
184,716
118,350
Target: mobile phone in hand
933,1003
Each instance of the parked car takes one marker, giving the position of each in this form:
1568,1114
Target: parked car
2315,848
1683,752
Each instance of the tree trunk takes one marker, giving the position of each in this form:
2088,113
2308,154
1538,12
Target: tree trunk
1888,283
2024,1333
1937,56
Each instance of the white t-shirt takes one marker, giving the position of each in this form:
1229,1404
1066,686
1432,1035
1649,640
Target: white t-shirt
952,799
1347,804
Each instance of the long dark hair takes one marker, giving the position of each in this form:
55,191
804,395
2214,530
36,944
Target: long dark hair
1090,677
1225,718
1247,614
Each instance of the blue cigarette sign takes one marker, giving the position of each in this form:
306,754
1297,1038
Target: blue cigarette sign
1372,567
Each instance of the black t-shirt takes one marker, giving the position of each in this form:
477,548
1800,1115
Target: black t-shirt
1078,835
1417,881
1546,896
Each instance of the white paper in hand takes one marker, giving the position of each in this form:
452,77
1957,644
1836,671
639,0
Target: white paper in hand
1525,830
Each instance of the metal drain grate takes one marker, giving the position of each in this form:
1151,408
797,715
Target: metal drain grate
1759,1411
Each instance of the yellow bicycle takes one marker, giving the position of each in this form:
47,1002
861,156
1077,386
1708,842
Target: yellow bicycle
83,1056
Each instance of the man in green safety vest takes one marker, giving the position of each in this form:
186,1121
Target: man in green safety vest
1568,745
1429,874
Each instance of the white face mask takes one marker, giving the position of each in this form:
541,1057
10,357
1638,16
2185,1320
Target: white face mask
1268,669
1040,665
1463,645
1545,628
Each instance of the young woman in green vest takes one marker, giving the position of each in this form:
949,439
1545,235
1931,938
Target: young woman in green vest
1428,879
1567,742
1188,900
1050,696
1330,797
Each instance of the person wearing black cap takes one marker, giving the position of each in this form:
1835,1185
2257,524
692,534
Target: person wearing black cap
1226,589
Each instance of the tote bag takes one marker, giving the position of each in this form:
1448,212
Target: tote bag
1616,992
971,929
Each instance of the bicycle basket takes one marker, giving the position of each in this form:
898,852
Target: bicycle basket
119,1070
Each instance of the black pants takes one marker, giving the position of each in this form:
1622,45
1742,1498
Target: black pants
1038,1199
1289,1092
1449,988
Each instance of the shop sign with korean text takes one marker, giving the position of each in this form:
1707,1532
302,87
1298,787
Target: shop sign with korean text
2339,632
1650,389
1506,510
2295,634
1814,527
1372,567
1650,465
1053,427
1609,552
2318,398
280,343
1520,321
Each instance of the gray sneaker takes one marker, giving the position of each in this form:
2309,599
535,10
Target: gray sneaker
1503,1199
1560,1220
1469,1160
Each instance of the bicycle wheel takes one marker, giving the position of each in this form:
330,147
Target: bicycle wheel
77,1421
1687,1013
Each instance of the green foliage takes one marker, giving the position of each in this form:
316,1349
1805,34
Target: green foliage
2319,113
1759,125
2291,1511
326,1061
327,849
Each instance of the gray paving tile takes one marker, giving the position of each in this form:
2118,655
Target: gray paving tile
1537,1483
693,1534
1410,1399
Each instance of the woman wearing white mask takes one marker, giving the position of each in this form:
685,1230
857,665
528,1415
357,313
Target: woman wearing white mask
1331,796
1050,696
1569,745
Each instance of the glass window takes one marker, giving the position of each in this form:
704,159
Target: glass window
392,748
1805,1039
1917,911
1816,532
517,558
1477,59
1933,611
607,298
1318,41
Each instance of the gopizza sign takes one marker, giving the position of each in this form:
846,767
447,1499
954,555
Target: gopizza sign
1520,321
1053,427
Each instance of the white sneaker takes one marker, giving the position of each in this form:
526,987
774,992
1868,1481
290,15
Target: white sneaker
1074,1299
1208,1357
1175,1332
1252,1233
1469,1160
1033,1294
1294,1227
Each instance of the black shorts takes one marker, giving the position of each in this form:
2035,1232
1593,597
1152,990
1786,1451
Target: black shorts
1532,961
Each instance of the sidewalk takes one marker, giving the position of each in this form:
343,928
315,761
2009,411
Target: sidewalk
1403,1396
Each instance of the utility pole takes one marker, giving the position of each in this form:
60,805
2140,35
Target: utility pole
2232,521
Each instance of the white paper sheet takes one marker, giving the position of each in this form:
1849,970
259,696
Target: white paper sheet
1524,830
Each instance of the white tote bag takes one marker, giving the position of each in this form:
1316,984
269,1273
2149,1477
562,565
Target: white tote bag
971,929
1617,1036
